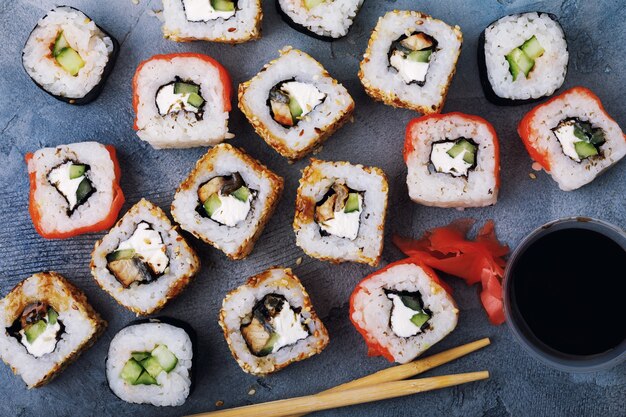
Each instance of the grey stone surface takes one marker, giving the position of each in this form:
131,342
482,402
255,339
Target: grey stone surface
519,386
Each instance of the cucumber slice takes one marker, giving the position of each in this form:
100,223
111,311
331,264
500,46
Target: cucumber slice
165,357
131,371
420,56
309,4
145,379
420,318
152,366
223,5
352,204
77,171
464,146
59,44
33,331
52,316
185,88
212,204
195,100
83,191
294,108
242,193
532,48
519,62
70,60
269,345
469,157
411,302
139,356
118,255
585,149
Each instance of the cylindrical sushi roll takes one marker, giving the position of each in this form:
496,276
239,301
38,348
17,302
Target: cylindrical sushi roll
294,104
453,160
227,200
410,60
69,56
228,21
402,310
74,189
181,100
573,138
144,262
340,212
522,57
47,324
321,19
151,362
269,322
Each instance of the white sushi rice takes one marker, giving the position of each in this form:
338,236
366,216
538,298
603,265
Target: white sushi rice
172,387
330,18
372,310
82,34
431,188
510,32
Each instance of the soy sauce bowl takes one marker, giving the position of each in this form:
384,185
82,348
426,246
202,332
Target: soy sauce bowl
519,325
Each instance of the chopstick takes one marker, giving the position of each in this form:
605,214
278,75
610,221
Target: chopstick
324,401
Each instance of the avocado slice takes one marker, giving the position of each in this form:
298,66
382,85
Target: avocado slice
77,171
70,61
166,359
152,366
139,356
52,316
185,88
532,48
145,379
242,193
212,204
33,331
269,345
294,108
519,62
585,149
118,255
131,371
352,204
223,5
420,318
420,56
195,100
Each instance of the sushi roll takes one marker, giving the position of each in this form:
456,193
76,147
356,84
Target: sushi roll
47,324
340,212
453,160
402,310
410,60
151,362
269,323
573,138
227,199
68,56
294,104
144,262
522,57
181,101
321,19
228,21
74,189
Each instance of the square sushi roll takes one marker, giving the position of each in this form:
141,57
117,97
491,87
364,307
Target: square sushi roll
573,138
340,212
143,262
294,104
269,322
74,189
321,19
48,323
68,56
453,160
227,199
228,21
410,60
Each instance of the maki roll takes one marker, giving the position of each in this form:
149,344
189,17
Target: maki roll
151,362
294,104
143,262
181,100
573,138
410,60
402,310
522,57
340,212
228,21
68,56
74,189
322,19
227,199
453,160
47,324
269,323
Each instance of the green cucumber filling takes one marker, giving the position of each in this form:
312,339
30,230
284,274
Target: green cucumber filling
273,324
141,258
179,96
71,181
225,199
522,59
67,57
579,140
38,329
338,213
289,101
408,316
309,4
410,56
455,157
143,368
207,10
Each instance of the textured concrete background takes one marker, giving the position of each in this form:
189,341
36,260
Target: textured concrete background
519,386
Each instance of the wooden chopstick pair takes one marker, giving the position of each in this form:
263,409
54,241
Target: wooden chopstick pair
380,385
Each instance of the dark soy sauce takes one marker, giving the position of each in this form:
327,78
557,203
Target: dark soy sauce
570,288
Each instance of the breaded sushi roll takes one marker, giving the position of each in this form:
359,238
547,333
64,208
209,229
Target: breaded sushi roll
143,262
522,57
151,362
573,138
227,199
410,60
227,21
269,323
68,56
402,310
340,212
181,101
74,189
321,19
47,324
453,160
294,104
